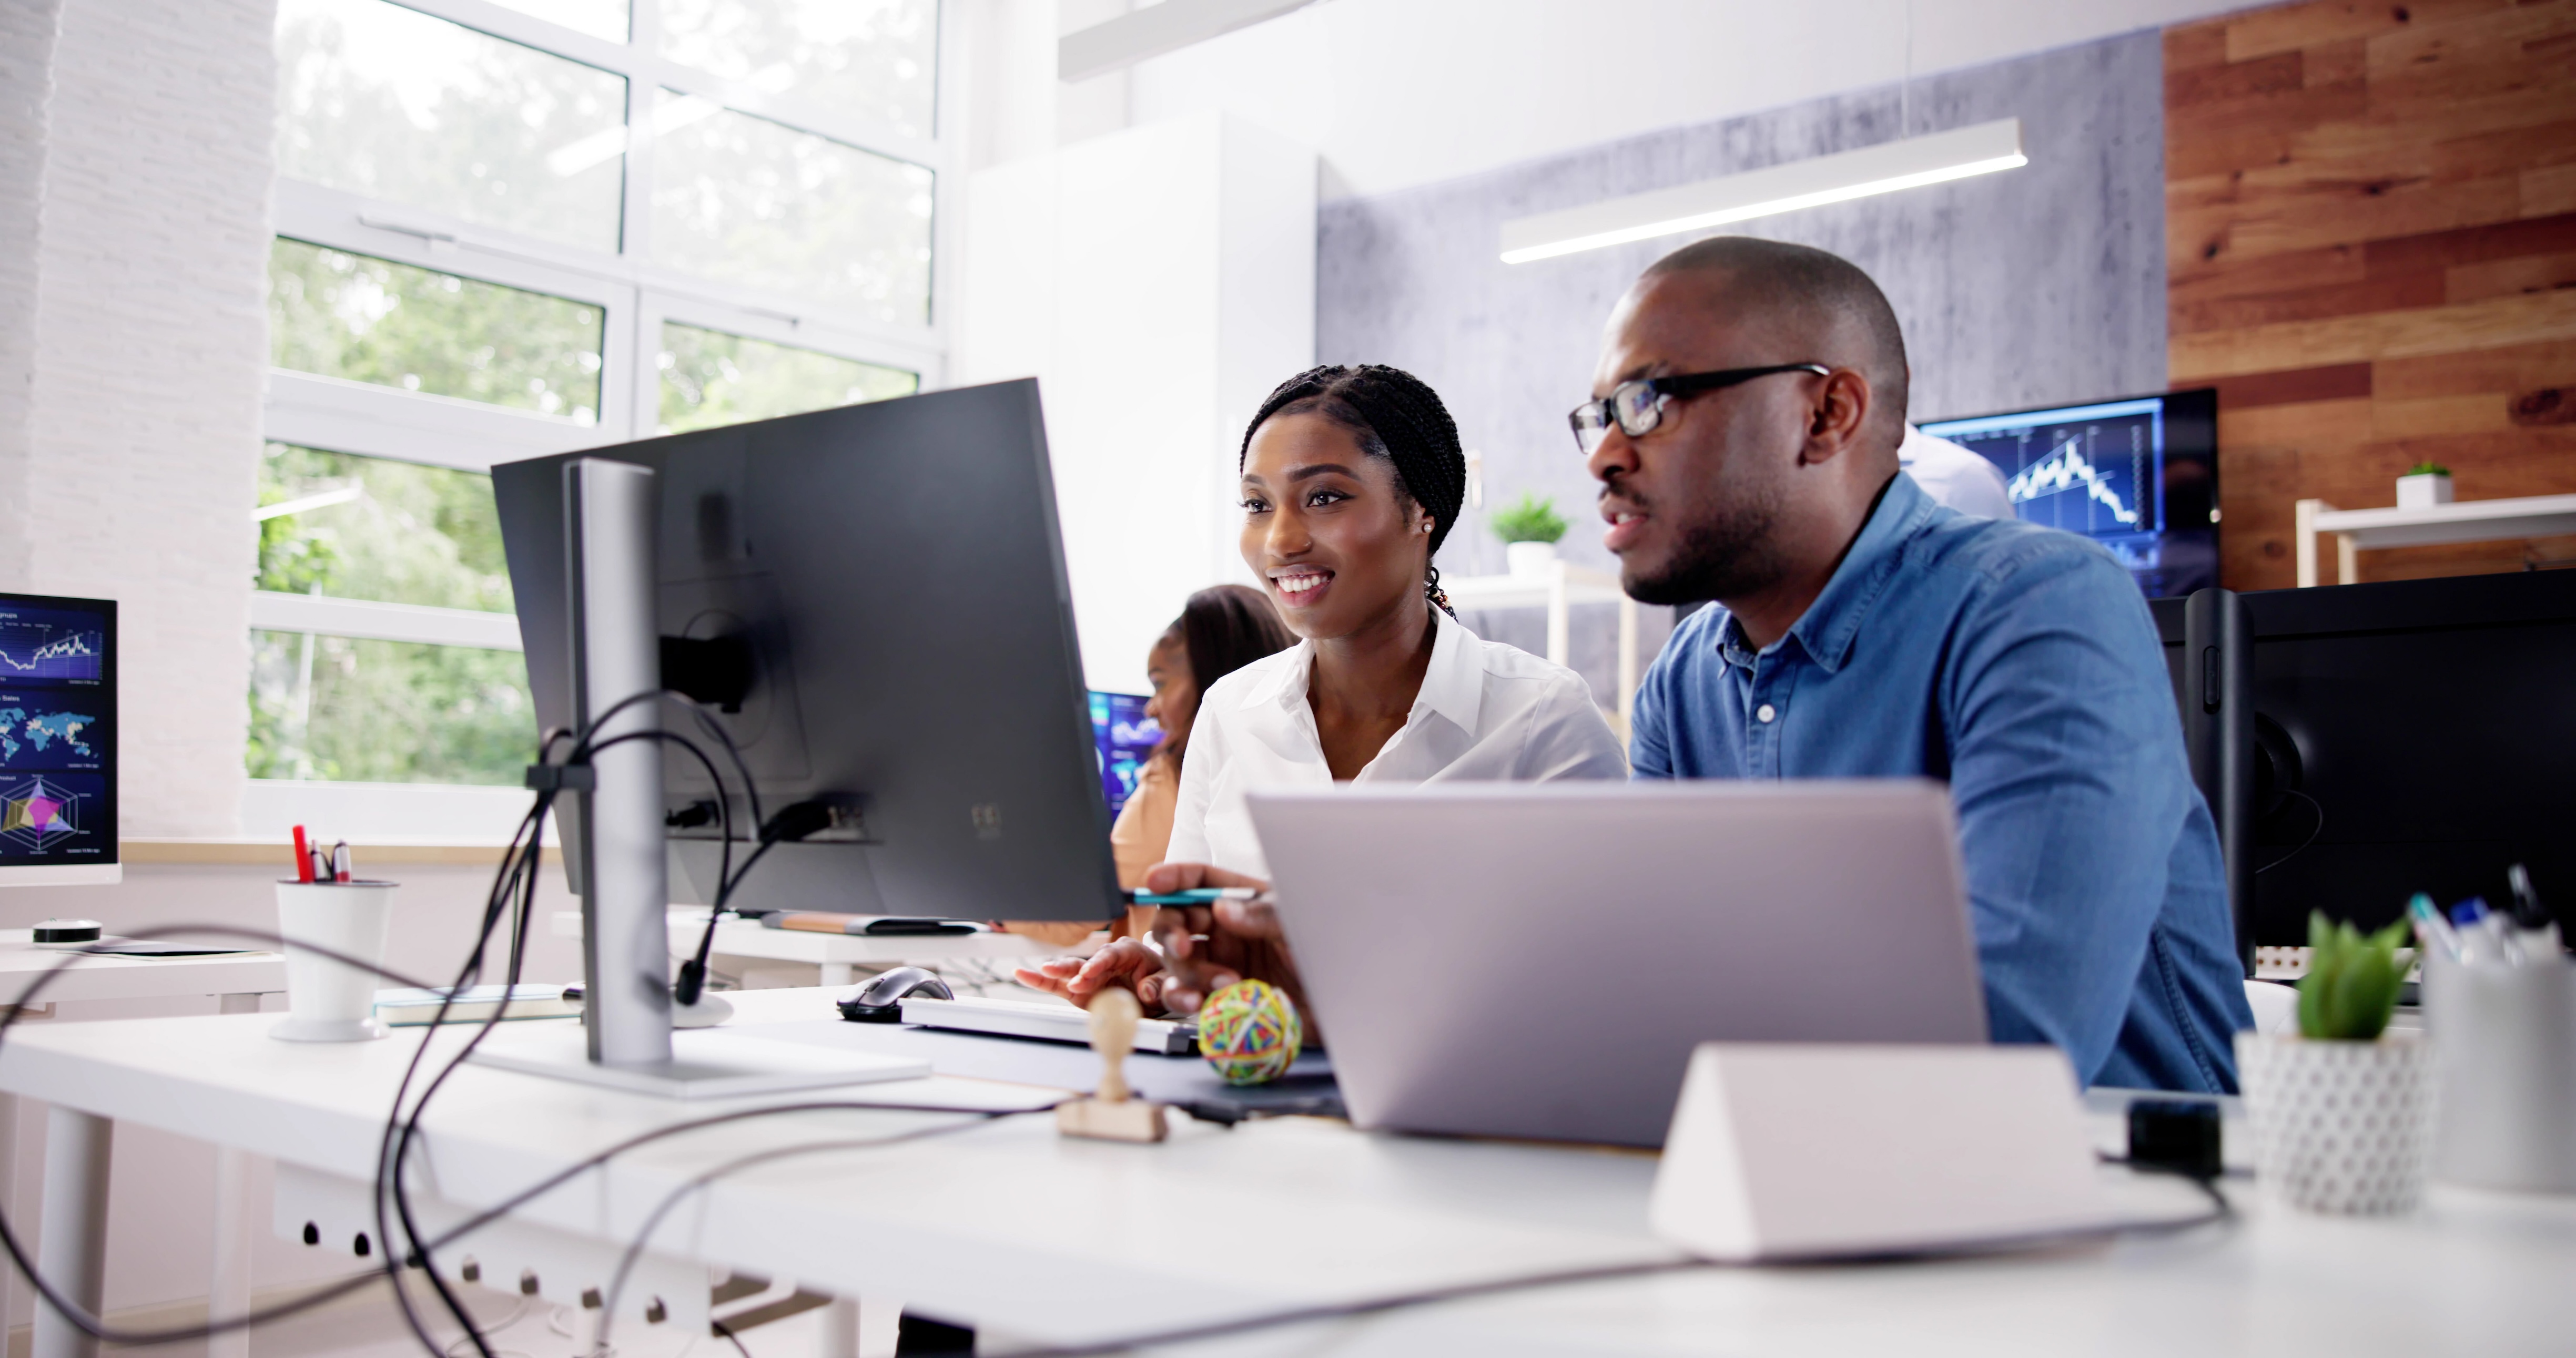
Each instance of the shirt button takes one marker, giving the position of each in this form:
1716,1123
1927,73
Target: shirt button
1765,713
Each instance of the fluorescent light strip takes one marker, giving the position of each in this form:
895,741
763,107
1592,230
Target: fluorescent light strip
1886,168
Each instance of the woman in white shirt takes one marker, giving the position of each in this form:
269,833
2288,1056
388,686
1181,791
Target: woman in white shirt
1351,478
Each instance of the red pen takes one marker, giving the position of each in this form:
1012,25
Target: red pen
303,857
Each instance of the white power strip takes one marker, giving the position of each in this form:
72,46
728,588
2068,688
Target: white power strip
1051,1022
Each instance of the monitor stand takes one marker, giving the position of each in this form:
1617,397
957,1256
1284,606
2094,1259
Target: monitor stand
706,1063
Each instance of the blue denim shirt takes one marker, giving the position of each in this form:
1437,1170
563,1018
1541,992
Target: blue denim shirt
2019,664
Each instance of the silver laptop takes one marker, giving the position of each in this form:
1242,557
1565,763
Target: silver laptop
1537,961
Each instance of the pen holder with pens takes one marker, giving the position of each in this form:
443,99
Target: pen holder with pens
2508,1070
329,1000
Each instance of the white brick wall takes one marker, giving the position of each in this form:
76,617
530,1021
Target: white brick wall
151,341
26,53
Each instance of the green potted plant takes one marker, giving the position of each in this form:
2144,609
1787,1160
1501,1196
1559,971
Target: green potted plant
2424,485
1529,531
2343,1111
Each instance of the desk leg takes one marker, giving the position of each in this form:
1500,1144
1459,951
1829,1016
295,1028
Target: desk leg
229,1292
12,1288
837,973
73,1253
841,1328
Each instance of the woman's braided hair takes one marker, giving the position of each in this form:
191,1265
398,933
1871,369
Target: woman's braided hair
1394,415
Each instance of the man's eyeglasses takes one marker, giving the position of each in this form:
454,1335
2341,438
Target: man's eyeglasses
1639,406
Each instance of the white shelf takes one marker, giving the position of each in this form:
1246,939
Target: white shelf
2358,530
1563,585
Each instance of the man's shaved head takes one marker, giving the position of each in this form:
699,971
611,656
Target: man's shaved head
1821,297
1748,493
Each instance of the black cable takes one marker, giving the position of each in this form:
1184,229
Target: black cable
1301,1315
653,1220
402,1131
99,1329
2312,834
727,1332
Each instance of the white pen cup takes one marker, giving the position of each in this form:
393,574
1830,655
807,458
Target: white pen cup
328,1000
2508,1069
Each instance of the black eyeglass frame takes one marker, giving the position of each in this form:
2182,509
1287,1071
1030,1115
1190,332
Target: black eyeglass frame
1602,412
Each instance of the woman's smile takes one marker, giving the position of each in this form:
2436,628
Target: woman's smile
1300,586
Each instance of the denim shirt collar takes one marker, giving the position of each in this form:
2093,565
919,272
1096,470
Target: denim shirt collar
1825,632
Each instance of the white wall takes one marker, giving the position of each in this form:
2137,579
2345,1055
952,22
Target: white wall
1158,282
1394,93
132,320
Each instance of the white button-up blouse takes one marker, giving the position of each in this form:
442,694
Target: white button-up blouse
1487,712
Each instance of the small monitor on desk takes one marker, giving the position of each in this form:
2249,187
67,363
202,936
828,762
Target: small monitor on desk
1124,737
2138,475
57,741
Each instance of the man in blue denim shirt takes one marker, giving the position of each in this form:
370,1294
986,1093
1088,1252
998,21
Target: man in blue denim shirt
1750,400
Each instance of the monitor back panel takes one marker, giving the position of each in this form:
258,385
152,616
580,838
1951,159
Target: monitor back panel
1539,961
897,570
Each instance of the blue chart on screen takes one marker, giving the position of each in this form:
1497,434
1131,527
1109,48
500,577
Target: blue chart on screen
2099,470
55,646
1123,736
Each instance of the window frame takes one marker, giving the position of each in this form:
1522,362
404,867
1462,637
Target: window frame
636,296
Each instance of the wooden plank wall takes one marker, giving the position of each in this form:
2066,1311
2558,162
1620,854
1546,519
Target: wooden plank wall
2371,222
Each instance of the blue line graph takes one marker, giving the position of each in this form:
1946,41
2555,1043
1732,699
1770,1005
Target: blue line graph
2066,469
23,654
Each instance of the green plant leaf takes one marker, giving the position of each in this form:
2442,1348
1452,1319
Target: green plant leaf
2353,982
1531,520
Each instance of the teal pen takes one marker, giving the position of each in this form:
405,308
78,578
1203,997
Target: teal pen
2431,928
1205,895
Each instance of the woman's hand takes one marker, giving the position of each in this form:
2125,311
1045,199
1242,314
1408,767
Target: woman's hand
1209,947
1126,963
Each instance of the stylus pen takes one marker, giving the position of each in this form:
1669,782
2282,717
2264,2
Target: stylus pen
1203,895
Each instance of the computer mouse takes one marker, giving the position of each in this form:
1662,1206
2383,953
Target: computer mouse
881,1000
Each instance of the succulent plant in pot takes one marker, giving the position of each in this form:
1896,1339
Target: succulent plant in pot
2343,1112
2424,485
1529,530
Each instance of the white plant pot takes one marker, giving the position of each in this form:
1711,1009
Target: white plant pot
2423,492
1530,559
2340,1127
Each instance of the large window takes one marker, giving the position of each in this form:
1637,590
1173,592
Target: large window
515,227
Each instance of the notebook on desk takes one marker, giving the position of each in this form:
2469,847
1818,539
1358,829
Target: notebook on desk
1046,1022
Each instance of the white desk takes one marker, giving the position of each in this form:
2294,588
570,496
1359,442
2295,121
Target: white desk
1029,1236
837,954
238,980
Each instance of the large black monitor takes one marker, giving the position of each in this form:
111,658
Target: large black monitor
57,740
2416,735
892,576
2138,475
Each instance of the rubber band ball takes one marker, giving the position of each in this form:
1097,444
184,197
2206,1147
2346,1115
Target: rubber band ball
1250,1033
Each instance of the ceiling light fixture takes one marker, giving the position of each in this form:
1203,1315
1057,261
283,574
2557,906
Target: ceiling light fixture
1885,168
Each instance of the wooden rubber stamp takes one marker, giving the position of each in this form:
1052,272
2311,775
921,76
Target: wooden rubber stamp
1110,1114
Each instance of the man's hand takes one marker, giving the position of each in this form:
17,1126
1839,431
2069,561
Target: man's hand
1206,948
1127,962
